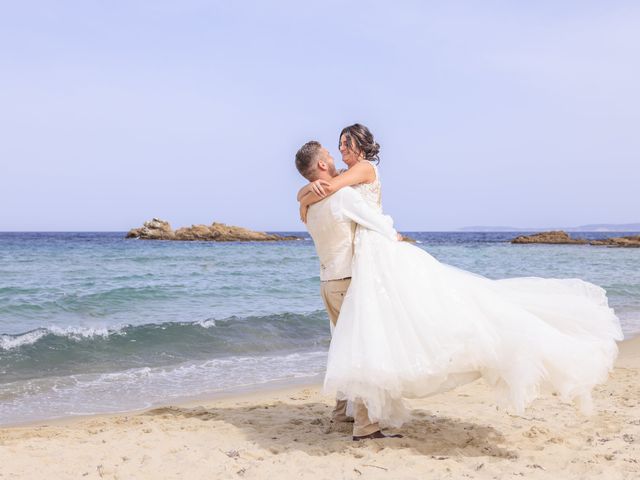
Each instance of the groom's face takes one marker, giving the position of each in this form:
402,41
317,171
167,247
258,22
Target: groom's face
325,157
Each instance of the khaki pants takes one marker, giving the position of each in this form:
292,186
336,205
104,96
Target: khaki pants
333,292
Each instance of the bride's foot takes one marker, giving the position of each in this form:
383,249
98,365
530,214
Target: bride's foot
376,434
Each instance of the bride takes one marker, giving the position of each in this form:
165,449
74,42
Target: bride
411,326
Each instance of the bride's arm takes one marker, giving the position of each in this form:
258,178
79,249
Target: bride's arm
309,198
361,172
313,192
304,190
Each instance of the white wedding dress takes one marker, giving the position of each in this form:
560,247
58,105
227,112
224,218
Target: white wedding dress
411,326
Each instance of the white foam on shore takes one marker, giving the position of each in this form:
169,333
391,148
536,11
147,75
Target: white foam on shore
86,394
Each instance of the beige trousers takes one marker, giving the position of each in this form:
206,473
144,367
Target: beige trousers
333,292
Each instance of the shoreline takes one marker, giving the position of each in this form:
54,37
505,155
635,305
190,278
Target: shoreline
236,393
286,433
627,348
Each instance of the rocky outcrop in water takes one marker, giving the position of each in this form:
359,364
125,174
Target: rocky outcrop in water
632,241
157,229
406,238
560,237
556,237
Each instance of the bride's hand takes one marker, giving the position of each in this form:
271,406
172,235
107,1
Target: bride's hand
320,188
303,212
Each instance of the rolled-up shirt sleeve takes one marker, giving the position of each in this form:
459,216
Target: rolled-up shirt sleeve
352,206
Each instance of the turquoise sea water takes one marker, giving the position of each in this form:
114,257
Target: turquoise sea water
91,322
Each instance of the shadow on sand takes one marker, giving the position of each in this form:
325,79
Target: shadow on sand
280,427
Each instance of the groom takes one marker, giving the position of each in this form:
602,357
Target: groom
332,224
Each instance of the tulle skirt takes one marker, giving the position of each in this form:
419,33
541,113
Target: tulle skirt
411,327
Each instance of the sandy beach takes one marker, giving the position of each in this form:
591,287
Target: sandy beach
287,434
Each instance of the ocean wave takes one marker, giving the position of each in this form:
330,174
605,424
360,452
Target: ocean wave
108,298
18,290
173,329
208,323
76,302
9,341
118,295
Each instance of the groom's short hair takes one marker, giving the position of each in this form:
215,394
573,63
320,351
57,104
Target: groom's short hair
306,159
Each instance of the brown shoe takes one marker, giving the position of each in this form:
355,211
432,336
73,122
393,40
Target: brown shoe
376,434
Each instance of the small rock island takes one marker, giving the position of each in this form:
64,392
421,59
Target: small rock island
632,241
560,237
554,237
406,238
157,229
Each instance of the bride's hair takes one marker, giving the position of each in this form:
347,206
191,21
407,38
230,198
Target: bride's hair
360,138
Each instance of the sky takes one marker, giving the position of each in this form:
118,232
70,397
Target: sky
524,114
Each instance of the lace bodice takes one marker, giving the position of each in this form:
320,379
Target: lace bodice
371,192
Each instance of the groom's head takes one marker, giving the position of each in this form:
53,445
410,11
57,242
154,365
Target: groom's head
314,162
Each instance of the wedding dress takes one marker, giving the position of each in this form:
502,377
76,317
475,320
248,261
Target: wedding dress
411,326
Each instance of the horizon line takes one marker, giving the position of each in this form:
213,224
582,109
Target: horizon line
444,230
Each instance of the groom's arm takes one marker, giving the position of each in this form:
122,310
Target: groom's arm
352,206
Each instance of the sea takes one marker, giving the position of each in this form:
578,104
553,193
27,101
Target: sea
95,323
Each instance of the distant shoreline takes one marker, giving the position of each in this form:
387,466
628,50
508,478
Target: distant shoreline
591,228
460,230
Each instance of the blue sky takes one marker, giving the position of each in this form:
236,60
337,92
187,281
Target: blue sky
488,113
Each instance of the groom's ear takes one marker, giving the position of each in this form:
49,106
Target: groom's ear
321,165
